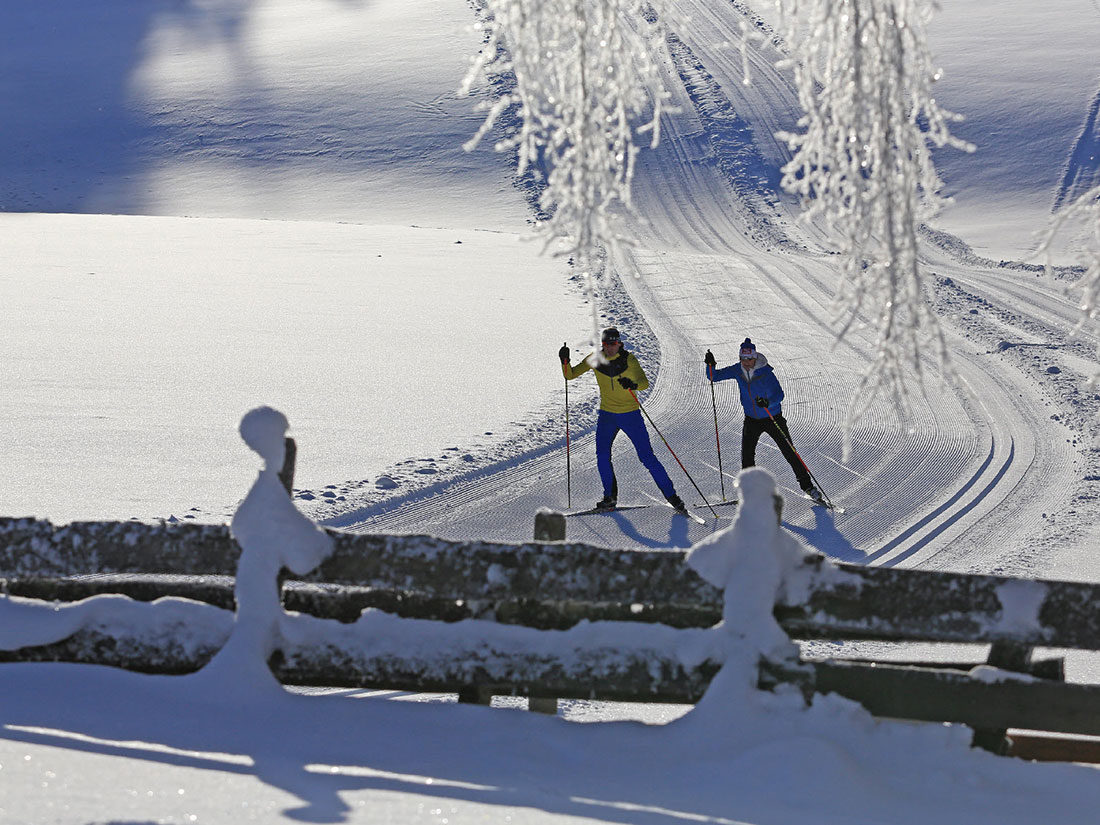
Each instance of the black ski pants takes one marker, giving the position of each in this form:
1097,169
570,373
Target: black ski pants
776,427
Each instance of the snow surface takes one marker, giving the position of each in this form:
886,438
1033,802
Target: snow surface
216,204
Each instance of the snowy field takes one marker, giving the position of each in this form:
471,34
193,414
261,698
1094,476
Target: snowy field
214,204
132,376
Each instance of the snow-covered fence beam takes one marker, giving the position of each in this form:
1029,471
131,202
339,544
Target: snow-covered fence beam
825,600
611,660
609,675
536,572
135,648
554,585
593,673
345,603
35,548
551,585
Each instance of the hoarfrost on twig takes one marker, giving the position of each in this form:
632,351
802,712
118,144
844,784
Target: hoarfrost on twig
1084,210
863,165
584,71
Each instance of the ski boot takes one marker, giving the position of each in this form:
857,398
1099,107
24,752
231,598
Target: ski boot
677,503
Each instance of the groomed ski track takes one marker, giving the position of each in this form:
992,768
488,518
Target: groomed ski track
963,481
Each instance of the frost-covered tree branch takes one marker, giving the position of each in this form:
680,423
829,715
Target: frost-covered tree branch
584,71
1085,210
862,163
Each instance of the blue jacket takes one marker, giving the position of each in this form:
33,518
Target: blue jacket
763,384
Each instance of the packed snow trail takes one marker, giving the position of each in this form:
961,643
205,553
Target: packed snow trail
960,481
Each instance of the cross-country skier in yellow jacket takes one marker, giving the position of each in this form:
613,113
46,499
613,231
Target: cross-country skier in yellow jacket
619,379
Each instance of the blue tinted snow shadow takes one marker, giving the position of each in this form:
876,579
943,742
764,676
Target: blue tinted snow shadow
74,138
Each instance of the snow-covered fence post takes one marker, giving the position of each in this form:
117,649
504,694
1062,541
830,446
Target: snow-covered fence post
750,561
549,526
272,534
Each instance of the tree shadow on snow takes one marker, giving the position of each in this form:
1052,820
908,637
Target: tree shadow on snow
78,134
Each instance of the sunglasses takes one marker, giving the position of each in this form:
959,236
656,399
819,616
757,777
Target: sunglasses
612,341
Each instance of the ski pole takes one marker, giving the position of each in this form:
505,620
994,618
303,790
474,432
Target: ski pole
800,459
678,461
568,468
714,406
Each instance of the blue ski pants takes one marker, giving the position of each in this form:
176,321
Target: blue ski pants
608,425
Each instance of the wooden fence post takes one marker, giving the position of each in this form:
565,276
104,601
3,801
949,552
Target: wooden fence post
1006,656
475,695
286,475
549,525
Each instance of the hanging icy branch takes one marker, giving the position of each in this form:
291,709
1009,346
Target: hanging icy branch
862,164
1085,210
584,71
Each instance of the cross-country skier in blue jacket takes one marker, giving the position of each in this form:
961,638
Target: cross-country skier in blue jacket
761,398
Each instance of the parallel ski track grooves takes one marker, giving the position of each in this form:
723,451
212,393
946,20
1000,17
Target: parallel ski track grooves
709,300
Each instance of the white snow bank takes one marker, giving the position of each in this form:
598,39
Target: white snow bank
137,342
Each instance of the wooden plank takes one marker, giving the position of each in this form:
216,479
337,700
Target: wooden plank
213,590
35,548
646,675
1051,667
346,603
540,571
429,566
824,600
935,695
821,600
1053,748
590,674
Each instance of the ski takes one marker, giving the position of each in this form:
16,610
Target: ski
731,503
826,504
685,512
595,511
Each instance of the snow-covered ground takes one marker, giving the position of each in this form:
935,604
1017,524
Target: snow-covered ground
142,339
236,203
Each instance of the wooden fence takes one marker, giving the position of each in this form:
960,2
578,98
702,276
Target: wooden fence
556,585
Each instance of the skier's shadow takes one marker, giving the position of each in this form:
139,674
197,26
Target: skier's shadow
826,538
620,530
678,532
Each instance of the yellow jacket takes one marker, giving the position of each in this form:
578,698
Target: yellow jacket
613,396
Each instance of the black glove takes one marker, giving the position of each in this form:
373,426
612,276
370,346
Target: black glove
708,359
627,383
563,354
762,402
